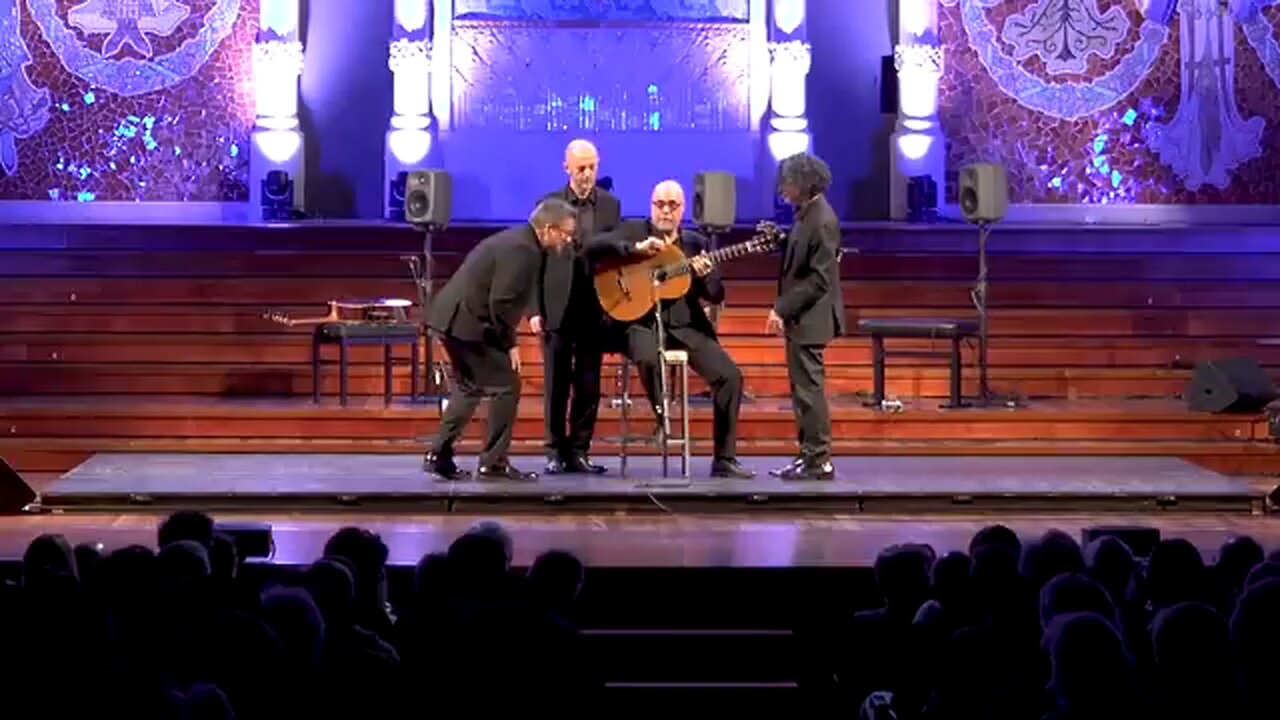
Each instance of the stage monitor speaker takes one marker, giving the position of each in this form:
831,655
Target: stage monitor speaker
428,196
715,202
1140,540
15,493
984,193
1229,385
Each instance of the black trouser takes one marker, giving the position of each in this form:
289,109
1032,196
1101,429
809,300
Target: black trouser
708,360
479,371
571,367
805,370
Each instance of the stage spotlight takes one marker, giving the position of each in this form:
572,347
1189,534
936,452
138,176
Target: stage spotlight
922,199
277,197
395,197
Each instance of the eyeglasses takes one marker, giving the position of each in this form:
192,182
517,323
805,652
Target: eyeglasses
667,204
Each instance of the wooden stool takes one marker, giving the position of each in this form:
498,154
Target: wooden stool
348,334
671,359
932,328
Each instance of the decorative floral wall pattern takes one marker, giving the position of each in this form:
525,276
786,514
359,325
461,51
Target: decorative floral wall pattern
1116,101
136,100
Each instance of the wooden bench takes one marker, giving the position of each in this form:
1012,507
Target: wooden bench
930,328
346,335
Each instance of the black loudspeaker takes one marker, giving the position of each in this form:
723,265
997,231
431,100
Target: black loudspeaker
888,85
15,493
1229,385
428,196
715,202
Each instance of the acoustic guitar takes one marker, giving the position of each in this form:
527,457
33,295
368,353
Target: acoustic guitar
628,288
387,310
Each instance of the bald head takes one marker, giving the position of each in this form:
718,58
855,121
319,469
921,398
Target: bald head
666,206
581,163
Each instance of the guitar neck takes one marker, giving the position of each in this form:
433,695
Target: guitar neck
715,257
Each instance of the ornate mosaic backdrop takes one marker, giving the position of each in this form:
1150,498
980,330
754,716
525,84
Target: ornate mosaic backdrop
146,100
1088,101
570,65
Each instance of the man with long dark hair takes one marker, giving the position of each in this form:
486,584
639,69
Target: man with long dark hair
809,312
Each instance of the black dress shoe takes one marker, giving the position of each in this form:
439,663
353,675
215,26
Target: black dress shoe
504,473
778,472
809,471
443,467
556,466
729,468
582,464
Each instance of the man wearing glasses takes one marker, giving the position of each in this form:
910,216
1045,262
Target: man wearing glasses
687,326
475,316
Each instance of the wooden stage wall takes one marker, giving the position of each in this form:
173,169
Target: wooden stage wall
171,315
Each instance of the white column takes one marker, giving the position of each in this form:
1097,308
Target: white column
917,146
409,137
277,64
790,58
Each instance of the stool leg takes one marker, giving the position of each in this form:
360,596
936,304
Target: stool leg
315,367
955,372
342,372
388,370
414,387
684,416
877,369
625,380
666,413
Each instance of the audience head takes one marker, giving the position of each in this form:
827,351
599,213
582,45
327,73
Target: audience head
555,579
184,562
478,565
1175,573
1092,672
431,577
996,535
186,525
902,573
292,614
224,558
331,583
1072,593
951,574
1236,558
1255,636
495,530
1111,563
1052,554
49,561
1269,570
1192,645
367,555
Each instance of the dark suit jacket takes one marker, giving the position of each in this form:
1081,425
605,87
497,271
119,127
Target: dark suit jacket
486,297
686,312
560,272
809,299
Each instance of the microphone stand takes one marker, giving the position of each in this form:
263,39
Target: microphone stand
423,271
979,296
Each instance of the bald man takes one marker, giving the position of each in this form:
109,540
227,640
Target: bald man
686,323
568,318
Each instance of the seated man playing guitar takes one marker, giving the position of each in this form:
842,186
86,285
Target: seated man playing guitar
685,323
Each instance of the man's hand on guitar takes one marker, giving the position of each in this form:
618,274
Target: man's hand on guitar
650,246
515,359
535,324
773,325
701,264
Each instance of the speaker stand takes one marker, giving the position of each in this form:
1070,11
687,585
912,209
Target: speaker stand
979,296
